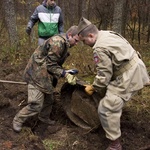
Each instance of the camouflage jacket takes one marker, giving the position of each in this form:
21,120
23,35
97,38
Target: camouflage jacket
45,64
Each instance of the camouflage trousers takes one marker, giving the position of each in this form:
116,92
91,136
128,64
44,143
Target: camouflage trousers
38,103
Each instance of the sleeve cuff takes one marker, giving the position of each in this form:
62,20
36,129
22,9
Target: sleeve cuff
63,73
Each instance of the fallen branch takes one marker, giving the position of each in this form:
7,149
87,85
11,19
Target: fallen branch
21,103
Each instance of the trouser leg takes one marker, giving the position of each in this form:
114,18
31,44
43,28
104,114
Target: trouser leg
110,111
40,41
47,106
35,103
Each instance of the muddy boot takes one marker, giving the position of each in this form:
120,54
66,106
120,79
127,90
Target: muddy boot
17,126
47,120
115,145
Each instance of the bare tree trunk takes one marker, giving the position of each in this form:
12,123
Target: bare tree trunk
10,20
71,10
85,8
29,9
139,27
124,17
80,8
118,16
148,33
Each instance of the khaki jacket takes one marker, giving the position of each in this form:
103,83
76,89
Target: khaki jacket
113,53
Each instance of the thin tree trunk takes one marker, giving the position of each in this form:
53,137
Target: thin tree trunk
118,16
148,33
139,25
10,21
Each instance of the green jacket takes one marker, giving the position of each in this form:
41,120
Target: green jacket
50,20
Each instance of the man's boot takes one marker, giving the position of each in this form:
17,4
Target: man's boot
115,145
47,120
17,126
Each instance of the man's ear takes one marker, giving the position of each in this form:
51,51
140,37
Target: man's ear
91,35
69,34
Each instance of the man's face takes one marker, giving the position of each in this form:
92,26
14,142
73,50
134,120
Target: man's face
88,40
73,40
50,2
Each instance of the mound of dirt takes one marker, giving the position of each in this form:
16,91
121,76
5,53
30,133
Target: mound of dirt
65,135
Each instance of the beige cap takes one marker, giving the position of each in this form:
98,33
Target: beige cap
84,23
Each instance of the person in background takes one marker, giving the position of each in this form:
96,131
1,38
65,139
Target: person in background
119,69
50,20
41,74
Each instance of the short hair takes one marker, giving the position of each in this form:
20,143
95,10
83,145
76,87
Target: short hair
89,29
73,30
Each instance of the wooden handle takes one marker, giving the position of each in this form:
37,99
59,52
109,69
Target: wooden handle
12,82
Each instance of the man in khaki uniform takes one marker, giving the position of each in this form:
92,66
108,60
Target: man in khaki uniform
119,70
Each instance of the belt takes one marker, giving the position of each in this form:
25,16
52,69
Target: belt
127,66
44,37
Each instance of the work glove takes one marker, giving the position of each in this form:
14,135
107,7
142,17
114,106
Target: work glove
28,30
89,89
72,71
71,79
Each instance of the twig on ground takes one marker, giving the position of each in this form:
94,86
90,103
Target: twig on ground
21,103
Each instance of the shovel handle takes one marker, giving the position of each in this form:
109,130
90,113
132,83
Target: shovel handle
12,82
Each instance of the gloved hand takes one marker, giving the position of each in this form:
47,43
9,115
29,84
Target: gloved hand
28,30
72,71
71,79
89,89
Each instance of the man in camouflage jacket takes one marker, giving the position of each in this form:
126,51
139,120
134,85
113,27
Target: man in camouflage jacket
41,74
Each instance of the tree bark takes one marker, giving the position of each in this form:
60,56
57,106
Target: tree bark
10,20
118,16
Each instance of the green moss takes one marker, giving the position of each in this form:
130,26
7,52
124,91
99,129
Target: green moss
51,144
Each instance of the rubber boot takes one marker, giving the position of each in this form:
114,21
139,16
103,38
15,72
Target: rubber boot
17,126
115,145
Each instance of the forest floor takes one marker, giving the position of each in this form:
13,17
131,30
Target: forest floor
65,135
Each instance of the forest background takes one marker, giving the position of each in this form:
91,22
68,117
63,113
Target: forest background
131,18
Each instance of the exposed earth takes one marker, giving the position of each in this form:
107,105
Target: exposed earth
65,135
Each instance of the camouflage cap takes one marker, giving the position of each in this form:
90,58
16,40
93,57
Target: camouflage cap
84,23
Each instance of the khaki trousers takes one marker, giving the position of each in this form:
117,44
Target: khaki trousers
38,102
110,111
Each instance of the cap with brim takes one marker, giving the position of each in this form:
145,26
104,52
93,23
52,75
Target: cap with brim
84,23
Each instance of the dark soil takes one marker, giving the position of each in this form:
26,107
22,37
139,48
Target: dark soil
65,135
